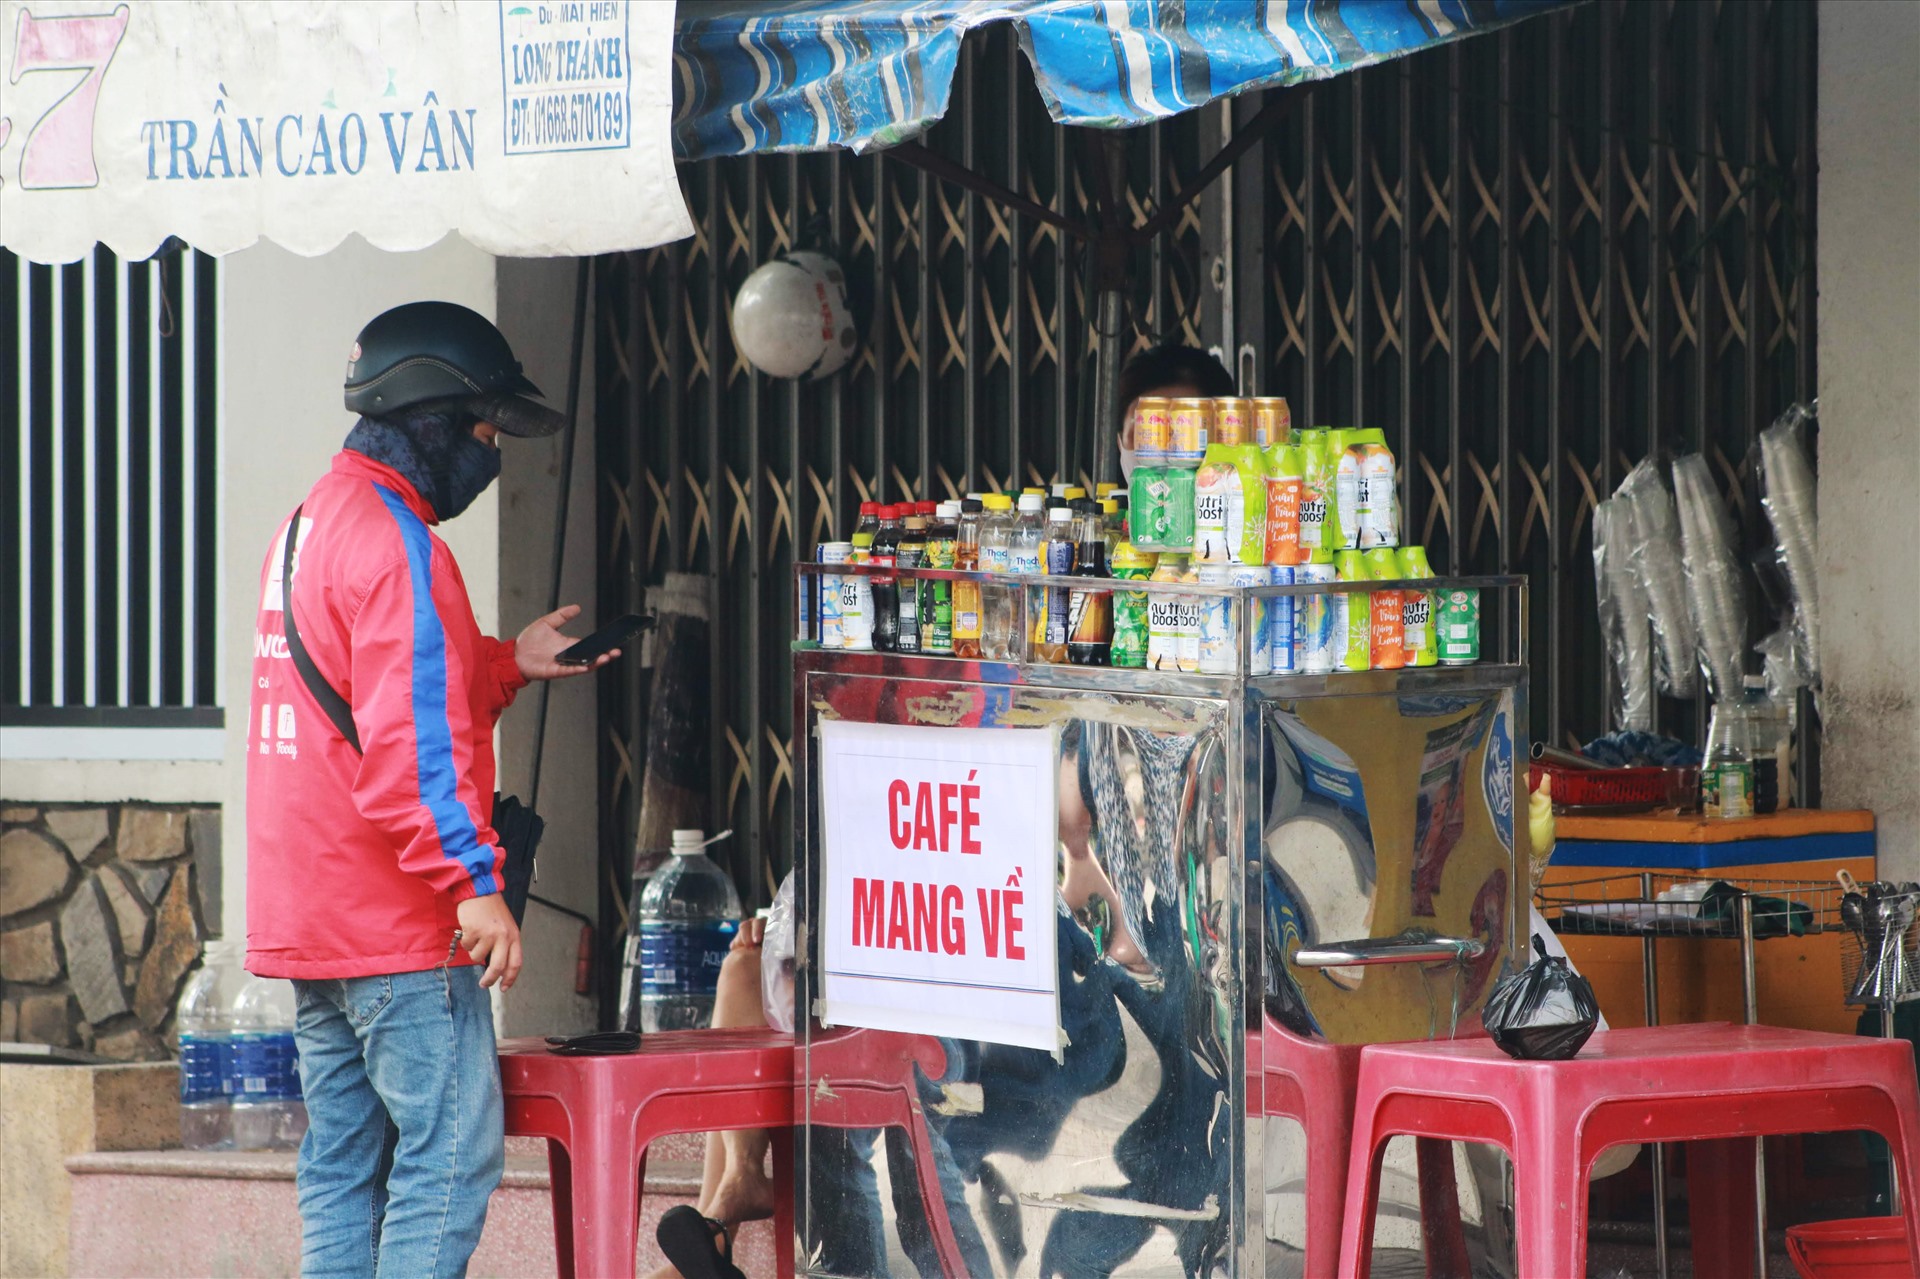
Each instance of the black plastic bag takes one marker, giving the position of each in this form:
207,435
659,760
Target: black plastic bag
1544,1012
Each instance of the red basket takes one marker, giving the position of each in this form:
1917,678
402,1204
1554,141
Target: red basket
1857,1248
1607,787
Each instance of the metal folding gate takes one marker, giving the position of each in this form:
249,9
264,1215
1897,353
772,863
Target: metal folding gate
1533,258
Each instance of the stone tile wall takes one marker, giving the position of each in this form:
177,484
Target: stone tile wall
103,909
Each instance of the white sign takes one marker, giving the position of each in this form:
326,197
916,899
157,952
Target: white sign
937,866
534,128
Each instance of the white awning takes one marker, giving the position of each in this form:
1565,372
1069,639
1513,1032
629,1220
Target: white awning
534,128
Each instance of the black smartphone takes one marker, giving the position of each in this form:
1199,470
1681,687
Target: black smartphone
604,640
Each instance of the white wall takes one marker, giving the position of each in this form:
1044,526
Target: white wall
1869,357
536,314
286,325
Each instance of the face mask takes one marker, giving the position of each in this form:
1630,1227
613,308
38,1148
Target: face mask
471,466
1127,463
447,465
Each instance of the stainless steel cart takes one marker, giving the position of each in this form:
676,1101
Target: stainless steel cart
1335,853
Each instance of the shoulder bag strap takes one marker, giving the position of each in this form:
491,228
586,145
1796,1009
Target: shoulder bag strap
324,693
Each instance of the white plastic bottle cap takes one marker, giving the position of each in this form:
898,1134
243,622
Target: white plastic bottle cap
1032,502
688,841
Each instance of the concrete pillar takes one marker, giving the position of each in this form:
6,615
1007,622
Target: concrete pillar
1869,362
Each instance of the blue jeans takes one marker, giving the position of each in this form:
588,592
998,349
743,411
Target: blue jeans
406,1130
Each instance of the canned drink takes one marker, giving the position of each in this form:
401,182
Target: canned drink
1316,638
1215,630
1259,616
1152,429
1283,656
1272,421
1160,514
1459,628
1192,427
1232,421
832,634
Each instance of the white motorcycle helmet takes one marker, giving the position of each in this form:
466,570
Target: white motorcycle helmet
791,319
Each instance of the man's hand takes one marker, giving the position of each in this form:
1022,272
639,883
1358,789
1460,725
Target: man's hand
488,932
541,642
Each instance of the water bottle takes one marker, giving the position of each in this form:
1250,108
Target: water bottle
268,1112
204,1019
689,914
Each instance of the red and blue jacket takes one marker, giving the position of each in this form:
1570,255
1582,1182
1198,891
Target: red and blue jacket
355,864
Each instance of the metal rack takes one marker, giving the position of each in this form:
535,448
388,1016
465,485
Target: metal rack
1652,905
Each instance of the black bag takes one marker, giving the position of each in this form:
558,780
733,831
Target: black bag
518,826
1544,1012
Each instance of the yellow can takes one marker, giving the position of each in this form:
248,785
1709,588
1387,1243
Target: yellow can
1233,421
1192,430
1272,421
1152,428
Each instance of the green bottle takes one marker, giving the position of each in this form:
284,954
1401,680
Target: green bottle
1130,607
1417,609
1353,614
1319,528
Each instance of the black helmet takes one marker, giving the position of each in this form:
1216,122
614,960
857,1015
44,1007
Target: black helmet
443,351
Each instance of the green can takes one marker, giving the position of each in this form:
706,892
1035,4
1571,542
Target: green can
1459,627
1130,607
1160,508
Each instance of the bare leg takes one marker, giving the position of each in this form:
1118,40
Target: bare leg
734,1186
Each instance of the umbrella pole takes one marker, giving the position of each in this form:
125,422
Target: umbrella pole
1111,251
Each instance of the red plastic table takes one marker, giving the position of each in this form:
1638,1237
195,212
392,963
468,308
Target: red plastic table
599,1114
1708,1083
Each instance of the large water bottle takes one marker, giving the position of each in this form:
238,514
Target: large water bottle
268,1110
689,914
204,1019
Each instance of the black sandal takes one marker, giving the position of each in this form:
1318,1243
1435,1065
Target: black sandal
693,1244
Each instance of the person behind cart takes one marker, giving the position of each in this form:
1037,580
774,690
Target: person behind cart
374,874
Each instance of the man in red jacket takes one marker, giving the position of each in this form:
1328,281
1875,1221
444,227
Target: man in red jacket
373,873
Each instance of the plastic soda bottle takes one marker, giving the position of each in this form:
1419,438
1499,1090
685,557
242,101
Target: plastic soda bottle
886,587
1346,490
1319,530
1164,610
1286,480
1131,628
936,598
689,914
1377,509
967,615
1416,609
1353,614
1388,647
867,524
996,557
912,554
1056,558
1189,629
1089,609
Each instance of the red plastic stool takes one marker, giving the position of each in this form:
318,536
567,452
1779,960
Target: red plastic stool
866,1079
599,1114
1313,1083
1708,1083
